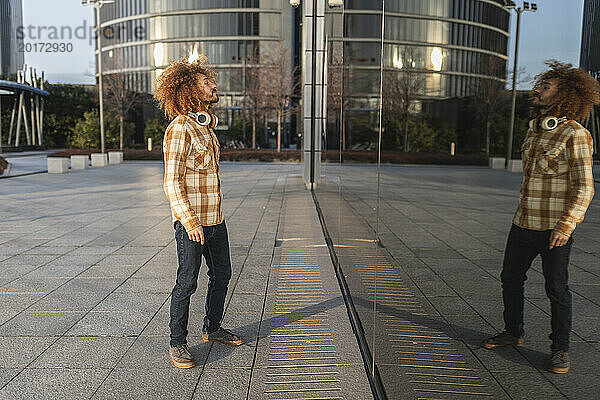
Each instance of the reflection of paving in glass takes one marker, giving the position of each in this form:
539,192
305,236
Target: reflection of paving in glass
444,229
310,351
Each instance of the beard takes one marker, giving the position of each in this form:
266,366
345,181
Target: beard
538,110
215,98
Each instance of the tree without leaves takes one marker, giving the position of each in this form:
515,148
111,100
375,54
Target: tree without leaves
271,85
401,88
491,98
255,97
336,102
120,98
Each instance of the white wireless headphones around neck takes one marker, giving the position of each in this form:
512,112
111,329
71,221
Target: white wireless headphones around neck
550,123
204,118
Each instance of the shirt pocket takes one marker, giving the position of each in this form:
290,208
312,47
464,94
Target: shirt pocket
202,155
526,154
551,160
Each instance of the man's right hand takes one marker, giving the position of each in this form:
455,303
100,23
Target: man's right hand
197,235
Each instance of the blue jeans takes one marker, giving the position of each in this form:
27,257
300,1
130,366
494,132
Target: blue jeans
216,253
522,247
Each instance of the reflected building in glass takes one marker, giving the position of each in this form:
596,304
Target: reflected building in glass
451,44
590,37
142,37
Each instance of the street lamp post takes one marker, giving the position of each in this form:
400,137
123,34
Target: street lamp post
97,5
519,10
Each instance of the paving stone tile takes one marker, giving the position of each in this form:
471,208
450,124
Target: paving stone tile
13,302
33,285
18,352
110,271
146,285
6,374
57,271
527,385
153,353
95,285
50,250
232,383
576,384
35,260
222,355
143,384
110,323
83,352
50,384
40,323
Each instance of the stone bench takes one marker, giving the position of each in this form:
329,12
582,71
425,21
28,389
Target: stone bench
515,166
99,160
80,161
58,165
115,157
497,162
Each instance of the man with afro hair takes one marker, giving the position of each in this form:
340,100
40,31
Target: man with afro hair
187,92
556,191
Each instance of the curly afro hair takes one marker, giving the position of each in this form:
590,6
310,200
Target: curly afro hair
577,92
176,87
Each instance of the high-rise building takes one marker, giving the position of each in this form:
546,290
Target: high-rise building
442,49
11,17
142,37
451,43
590,37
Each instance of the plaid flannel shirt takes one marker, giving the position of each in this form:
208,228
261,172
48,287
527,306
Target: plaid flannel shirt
558,185
191,182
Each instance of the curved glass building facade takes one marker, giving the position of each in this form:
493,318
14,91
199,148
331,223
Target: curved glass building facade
141,37
453,43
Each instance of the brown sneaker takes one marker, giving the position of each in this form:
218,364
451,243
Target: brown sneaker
559,362
501,340
181,356
224,336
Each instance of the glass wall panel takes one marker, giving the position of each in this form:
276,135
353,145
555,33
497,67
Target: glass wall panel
373,211
470,10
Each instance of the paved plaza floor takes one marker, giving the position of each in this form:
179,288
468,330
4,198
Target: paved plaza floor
87,262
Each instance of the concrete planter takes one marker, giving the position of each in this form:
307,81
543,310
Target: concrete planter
58,165
99,159
515,165
115,157
79,162
497,162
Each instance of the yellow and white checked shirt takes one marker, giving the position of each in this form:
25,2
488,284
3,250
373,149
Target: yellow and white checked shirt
558,185
191,182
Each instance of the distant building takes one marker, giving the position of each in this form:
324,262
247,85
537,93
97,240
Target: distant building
11,17
451,44
590,37
142,37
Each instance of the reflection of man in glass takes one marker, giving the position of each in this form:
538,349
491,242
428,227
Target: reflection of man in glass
187,92
556,191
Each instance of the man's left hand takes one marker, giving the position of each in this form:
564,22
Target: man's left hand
557,239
